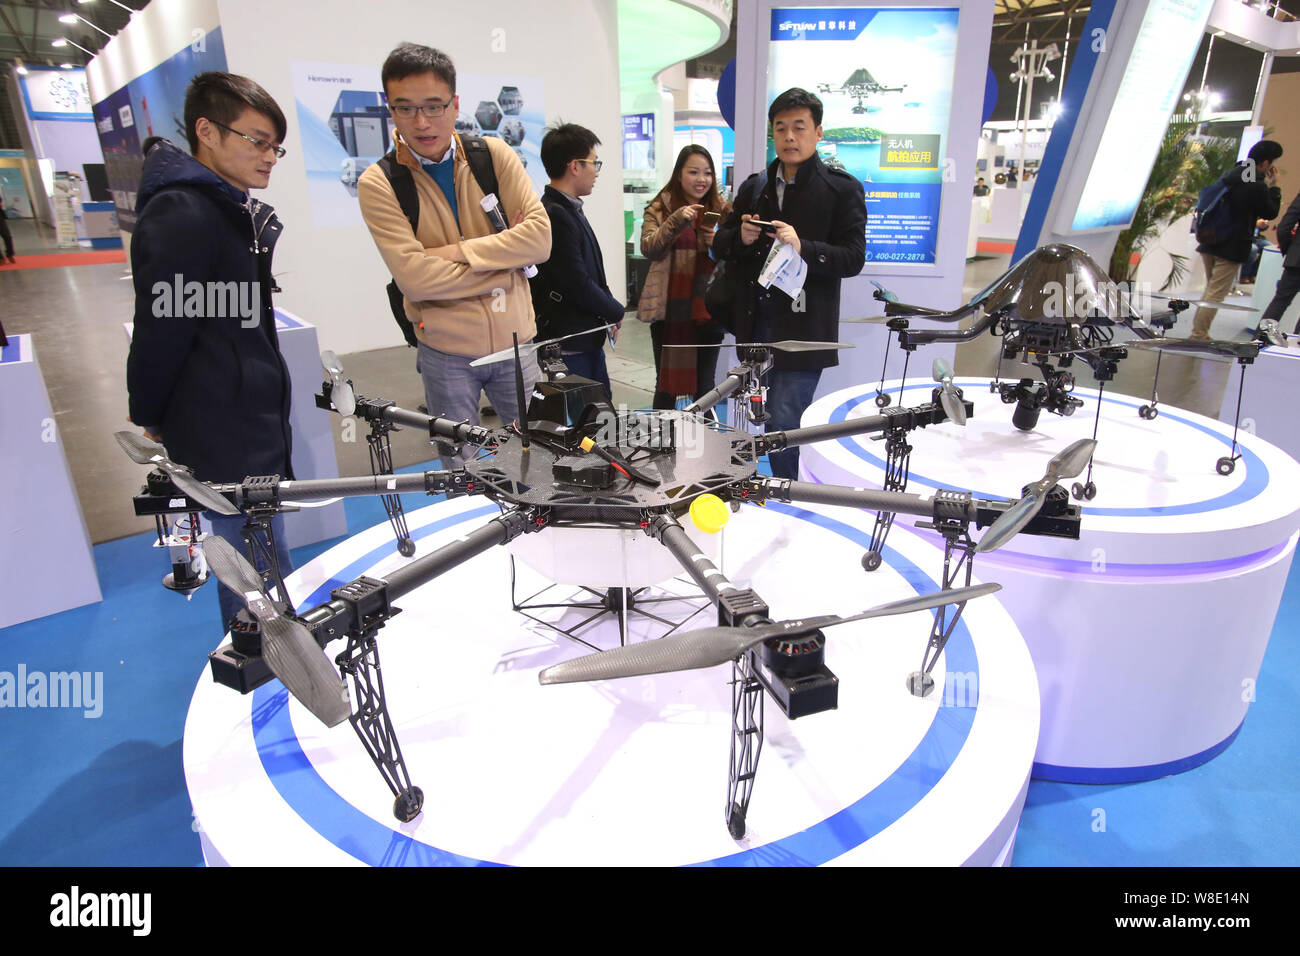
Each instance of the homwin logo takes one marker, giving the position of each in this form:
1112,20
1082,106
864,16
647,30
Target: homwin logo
77,909
72,689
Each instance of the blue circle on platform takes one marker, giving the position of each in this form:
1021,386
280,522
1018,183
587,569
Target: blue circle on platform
1254,485
291,772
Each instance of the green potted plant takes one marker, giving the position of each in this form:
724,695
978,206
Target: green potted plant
1185,164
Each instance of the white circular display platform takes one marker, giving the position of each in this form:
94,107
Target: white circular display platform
630,772
1148,632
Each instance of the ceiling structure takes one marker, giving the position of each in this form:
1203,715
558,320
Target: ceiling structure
28,28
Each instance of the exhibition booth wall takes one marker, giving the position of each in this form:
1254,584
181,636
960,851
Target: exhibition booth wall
52,113
322,66
940,55
1121,90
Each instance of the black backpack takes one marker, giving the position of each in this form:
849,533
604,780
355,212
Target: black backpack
399,177
1212,217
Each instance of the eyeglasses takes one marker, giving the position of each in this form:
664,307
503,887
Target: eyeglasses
432,111
260,144
595,162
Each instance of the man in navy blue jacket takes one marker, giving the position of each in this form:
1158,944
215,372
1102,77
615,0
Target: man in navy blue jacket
205,375
570,293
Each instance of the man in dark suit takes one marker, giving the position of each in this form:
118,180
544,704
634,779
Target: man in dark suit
1289,284
569,292
822,213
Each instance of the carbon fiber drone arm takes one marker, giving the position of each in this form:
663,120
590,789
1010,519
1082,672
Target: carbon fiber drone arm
909,338
335,615
271,491
736,378
666,529
902,310
501,529
373,409
931,413
945,505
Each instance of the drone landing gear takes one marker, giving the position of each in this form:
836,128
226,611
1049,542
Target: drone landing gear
882,398
898,456
619,601
958,545
1087,490
1228,463
1149,412
746,741
359,664
381,463
259,541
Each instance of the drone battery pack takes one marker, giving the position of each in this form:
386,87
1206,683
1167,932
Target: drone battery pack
585,471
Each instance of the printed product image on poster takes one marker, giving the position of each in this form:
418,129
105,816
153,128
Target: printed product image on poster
345,126
884,76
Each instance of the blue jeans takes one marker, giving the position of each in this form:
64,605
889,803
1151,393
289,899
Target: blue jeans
589,365
451,390
228,527
789,393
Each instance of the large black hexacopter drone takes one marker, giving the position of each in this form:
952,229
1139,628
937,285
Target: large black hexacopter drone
577,462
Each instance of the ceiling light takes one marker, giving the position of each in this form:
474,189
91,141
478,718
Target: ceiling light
73,19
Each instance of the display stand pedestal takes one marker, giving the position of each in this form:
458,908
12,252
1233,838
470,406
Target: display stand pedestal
46,563
1147,633
630,772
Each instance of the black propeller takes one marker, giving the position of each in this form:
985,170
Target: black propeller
717,645
530,348
143,451
290,651
787,345
1067,464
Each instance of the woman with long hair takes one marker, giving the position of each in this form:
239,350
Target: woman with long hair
676,237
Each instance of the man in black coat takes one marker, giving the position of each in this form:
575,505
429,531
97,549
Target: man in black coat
570,293
1252,195
205,374
1289,283
822,213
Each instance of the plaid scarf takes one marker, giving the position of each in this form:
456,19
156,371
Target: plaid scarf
688,274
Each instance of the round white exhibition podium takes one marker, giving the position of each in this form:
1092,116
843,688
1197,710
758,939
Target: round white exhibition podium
1148,632
630,772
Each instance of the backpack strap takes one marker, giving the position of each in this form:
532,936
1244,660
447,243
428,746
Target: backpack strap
480,164
399,177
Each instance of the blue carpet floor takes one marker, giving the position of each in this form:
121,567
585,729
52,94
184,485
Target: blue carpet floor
109,790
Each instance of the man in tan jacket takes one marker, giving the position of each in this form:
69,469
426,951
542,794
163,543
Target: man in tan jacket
464,289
